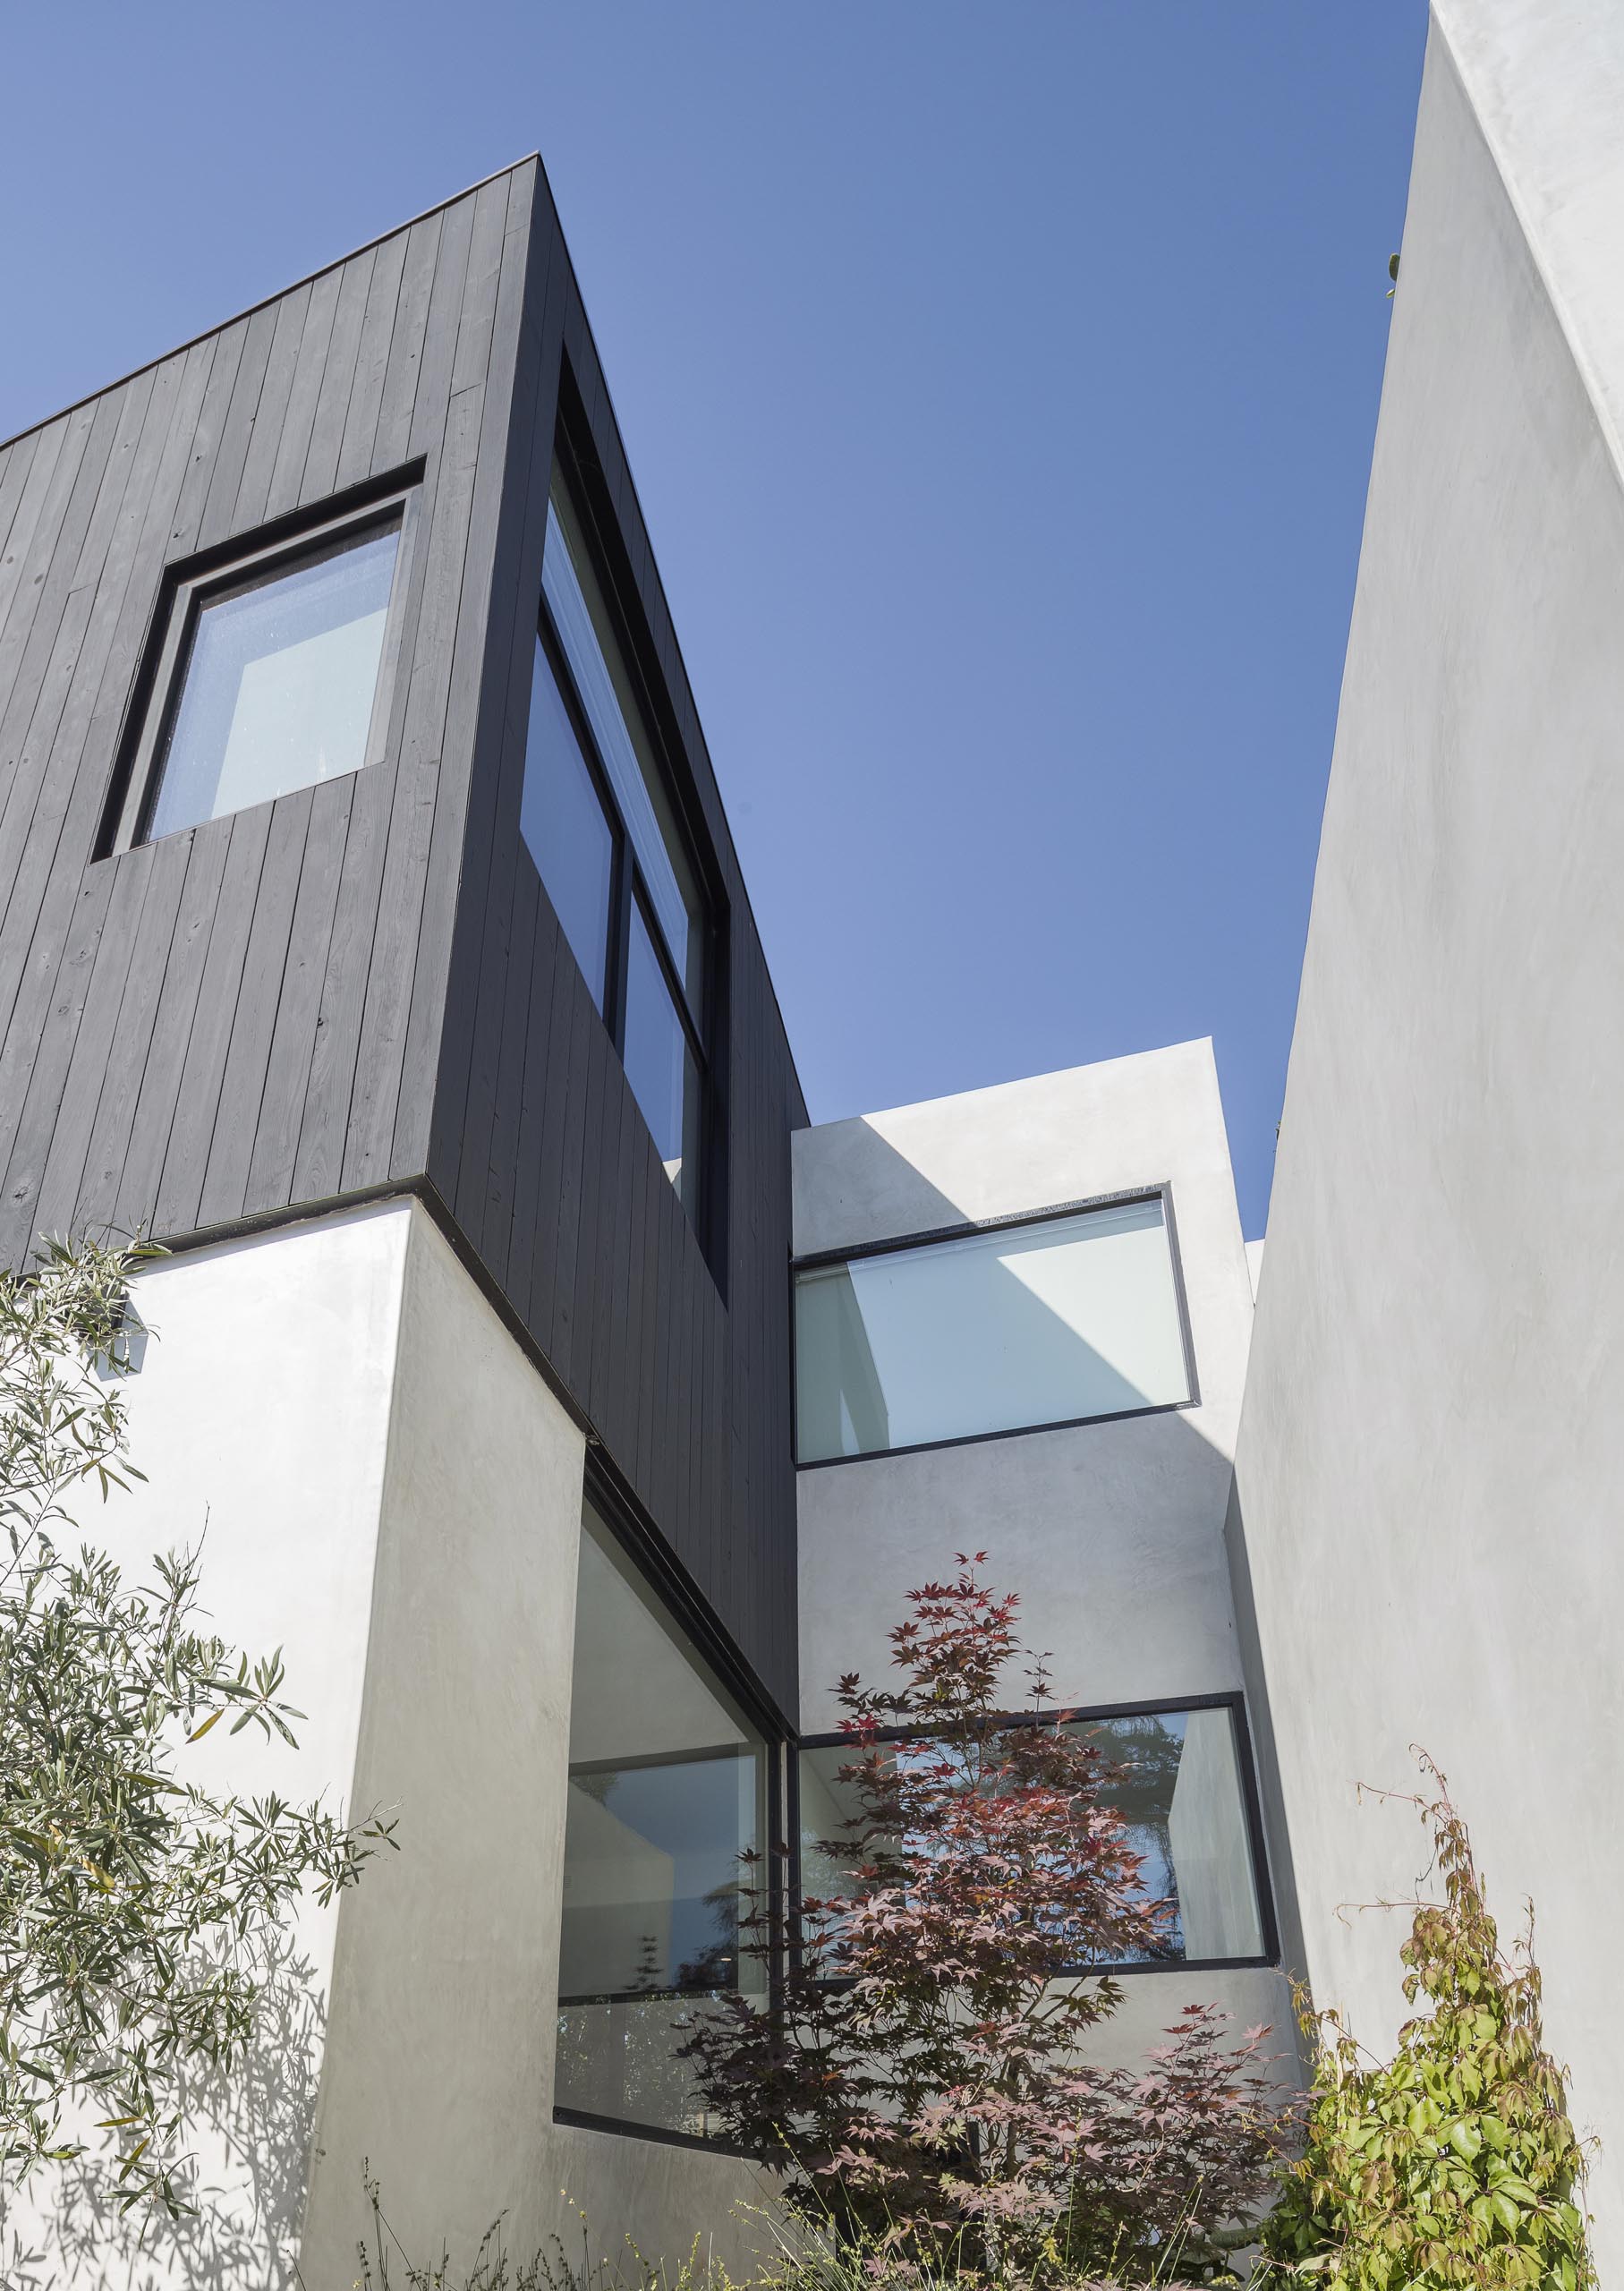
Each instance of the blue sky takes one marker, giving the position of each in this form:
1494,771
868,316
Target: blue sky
999,381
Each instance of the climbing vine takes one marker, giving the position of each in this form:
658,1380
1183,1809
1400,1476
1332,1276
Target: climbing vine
1455,2163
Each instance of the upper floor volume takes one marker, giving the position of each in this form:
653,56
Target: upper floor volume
357,833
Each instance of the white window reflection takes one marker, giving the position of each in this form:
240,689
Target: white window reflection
667,1783
280,680
1046,1323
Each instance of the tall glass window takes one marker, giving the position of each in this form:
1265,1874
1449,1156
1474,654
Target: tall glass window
562,821
598,819
667,1787
278,681
1175,1783
1047,1322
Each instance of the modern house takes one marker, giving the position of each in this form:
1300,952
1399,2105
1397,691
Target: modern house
575,1412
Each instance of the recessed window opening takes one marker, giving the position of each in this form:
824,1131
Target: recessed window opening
668,1781
597,816
273,674
1177,1786
1054,1320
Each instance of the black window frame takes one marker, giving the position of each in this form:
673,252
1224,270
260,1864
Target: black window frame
1067,1715
818,1260
700,1027
645,1550
252,561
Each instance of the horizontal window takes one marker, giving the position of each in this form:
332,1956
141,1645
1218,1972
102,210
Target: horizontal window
668,1784
992,1330
272,673
1175,1782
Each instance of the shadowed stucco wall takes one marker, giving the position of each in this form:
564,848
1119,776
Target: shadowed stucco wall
1112,1532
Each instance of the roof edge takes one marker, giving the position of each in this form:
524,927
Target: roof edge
306,279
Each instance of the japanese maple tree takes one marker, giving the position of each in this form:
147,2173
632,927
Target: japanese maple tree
920,2070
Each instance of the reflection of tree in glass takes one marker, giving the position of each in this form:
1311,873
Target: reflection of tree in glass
619,2058
1143,1754
1138,1768
716,1964
920,2060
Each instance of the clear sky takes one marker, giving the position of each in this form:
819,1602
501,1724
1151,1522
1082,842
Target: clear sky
999,379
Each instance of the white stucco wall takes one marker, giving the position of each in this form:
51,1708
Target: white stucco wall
1432,1447
392,1493
1112,1532
260,1417
440,2047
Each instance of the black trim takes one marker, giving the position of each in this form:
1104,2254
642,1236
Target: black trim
1069,1714
581,2122
247,561
816,1260
654,1560
1014,1431
692,1618
584,483
648,1996
812,1258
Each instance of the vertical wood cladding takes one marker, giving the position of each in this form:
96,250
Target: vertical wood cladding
363,984
683,1371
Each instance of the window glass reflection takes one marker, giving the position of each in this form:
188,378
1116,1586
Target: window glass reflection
561,820
1175,1783
667,1789
581,616
1041,1323
661,1066
279,684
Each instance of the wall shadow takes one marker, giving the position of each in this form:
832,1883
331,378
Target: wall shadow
251,2159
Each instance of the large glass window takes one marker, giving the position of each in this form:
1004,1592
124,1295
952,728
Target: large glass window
667,1787
562,821
597,816
269,678
1175,1781
991,1330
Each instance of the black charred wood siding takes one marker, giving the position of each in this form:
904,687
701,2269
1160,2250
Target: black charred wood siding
678,1360
363,985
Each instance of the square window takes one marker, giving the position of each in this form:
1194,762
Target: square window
272,673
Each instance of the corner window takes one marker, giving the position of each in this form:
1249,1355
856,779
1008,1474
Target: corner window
598,817
668,1786
1177,1784
272,675
1054,1320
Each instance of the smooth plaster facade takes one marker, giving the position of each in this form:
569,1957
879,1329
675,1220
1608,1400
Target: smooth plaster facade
409,1534
1431,1449
1112,1531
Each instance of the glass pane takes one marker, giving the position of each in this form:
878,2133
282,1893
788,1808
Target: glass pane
279,684
661,1067
1043,1323
1177,1789
586,631
1181,1796
563,823
667,1783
